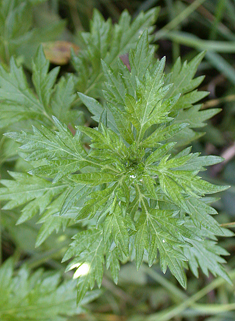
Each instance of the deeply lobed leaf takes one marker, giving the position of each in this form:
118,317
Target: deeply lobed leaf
25,294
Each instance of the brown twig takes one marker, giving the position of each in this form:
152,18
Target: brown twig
227,154
216,102
232,224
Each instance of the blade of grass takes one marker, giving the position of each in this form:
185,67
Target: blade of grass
175,45
179,295
176,293
177,20
230,10
222,65
214,58
219,11
74,14
187,39
176,310
205,18
146,5
212,309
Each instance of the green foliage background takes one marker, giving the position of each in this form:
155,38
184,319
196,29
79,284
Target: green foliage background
183,28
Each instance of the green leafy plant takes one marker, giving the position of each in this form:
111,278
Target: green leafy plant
18,36
37,296
107,41
125,184
20,101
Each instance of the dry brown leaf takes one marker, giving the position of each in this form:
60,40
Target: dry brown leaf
59,52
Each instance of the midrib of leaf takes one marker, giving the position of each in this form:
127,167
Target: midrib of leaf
205,257
117,225
37,190
165,251
156,234
111,168
143,122
97,248
61,109
179,84
94,255
35,103
79,157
